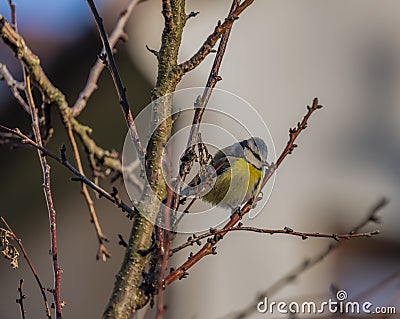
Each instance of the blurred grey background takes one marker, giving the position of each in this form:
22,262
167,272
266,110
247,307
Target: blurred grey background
281,54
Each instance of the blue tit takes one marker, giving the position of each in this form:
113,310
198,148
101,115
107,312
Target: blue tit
238,173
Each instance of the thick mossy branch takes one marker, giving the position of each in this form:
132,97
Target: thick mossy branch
127,295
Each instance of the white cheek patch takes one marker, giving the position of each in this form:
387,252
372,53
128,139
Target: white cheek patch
252,159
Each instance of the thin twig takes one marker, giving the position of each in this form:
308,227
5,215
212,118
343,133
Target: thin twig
98,67
285,231
212,39
209,248
21,297
32,268
121,90
49,201
81,178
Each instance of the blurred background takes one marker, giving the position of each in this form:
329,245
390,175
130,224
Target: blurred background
280,56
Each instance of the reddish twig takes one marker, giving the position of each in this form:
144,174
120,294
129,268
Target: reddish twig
108,59
209,248
285,231
32,268
49,200
98,67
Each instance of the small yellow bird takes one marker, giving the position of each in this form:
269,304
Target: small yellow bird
239,170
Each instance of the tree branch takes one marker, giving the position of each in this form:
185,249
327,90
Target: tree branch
285,231
209,247
212,39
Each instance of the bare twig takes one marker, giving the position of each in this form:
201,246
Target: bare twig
21,297
285,231
49,201
116,34
209,247
81,178
32,268
212,39
121,90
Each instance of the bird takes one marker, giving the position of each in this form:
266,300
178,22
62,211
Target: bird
234,177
